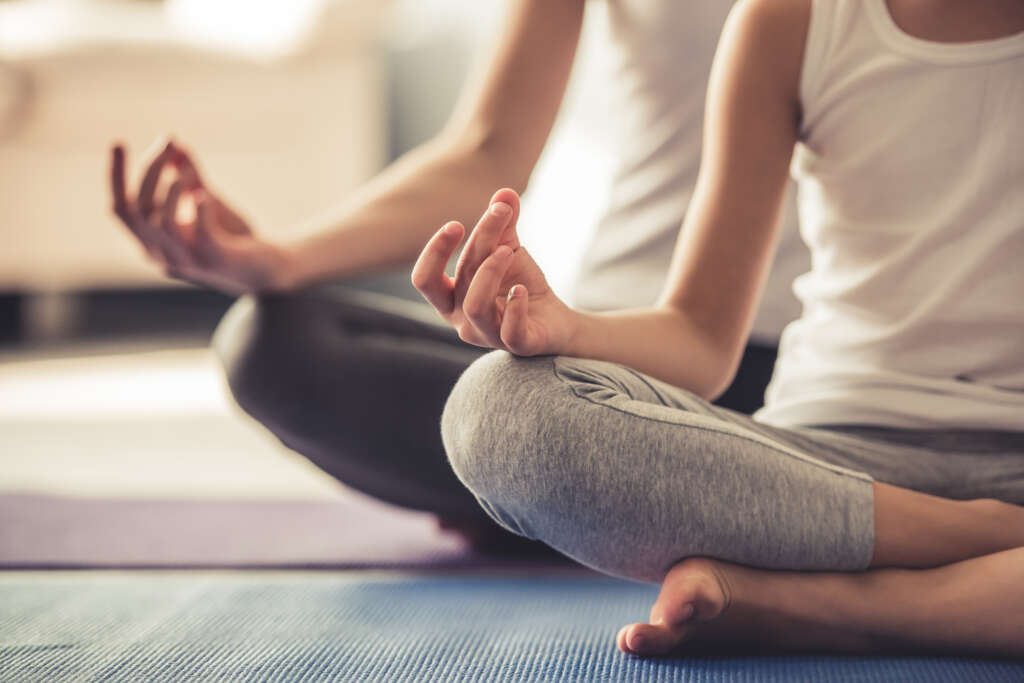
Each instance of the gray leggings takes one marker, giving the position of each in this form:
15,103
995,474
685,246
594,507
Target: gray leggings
628,475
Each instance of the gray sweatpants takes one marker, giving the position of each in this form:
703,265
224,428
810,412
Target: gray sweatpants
629,475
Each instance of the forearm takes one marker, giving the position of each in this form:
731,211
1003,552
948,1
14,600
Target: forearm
493,140
660,342
695,337
386,223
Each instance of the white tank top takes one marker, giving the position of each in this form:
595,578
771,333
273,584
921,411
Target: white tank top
911,195
659,61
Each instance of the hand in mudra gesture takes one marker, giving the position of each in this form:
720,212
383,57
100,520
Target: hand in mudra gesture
499,297
188,231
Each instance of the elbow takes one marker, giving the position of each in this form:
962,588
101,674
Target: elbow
714,379
717,386
496,153
722,371
714,359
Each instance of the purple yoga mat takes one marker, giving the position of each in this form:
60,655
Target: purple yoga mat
40,531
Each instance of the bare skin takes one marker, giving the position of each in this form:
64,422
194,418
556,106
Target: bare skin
970,554
945,575
493,138
972,603
966,556
917,530
972,607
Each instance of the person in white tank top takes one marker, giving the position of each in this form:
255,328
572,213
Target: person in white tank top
912,314
311,354
658,57
908,361
655,75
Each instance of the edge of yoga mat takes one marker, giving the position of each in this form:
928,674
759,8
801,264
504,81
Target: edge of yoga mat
44,531
299,626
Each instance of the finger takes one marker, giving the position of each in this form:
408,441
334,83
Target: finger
147,190
514,330
228,219
169,210
509,196
428,275
479,306
186,164
207,246
485,237
126,210
117,182
172,242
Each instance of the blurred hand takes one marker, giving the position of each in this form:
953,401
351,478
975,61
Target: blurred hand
212,245
499,297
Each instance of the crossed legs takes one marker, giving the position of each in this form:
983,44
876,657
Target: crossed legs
968,607
290,358
760,537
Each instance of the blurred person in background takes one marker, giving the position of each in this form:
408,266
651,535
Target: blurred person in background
356,381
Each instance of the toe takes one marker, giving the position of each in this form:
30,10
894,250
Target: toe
649,639
620,639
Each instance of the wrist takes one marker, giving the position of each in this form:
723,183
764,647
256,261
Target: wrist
286,272
577,334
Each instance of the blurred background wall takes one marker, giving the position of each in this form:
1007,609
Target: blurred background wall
289,104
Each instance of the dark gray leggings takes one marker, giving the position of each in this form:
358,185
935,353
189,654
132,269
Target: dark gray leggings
356,382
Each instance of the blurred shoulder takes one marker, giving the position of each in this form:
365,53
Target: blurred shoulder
772,19
769,36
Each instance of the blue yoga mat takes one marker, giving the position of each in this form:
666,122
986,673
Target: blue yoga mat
205,626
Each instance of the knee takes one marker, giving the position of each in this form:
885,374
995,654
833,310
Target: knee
497,428
472,424
251,343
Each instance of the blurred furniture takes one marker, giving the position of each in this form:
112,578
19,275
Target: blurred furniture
283,133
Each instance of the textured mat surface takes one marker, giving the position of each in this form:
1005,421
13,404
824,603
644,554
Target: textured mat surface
41,531
338,627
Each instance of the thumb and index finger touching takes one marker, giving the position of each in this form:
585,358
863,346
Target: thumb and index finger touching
170,153
497,225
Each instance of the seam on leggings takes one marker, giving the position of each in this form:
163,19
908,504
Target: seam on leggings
752,438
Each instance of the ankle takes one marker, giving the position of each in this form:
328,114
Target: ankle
804,611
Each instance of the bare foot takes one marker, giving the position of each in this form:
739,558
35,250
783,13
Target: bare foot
708,606
694,593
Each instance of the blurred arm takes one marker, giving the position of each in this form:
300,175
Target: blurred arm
493,139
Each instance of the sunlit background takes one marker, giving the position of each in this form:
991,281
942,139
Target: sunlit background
107,389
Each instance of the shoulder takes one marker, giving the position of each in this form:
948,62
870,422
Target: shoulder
778,15
781,24
769,36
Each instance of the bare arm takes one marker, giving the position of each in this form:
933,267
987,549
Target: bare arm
494,137
694,337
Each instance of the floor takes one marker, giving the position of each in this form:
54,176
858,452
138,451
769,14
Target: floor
150,419
107,420
132,454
